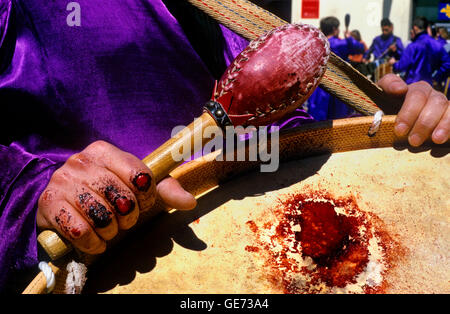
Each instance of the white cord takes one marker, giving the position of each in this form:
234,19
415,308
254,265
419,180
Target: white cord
377,119
49,275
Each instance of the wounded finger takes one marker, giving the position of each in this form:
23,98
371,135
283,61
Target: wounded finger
71,225
97,212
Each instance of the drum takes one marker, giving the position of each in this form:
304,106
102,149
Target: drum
383,209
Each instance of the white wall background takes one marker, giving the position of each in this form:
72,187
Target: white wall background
365,16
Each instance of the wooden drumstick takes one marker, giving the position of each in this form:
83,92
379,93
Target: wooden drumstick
161,160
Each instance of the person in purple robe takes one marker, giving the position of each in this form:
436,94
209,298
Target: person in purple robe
424,59
441,40
442,36
387,45
84,97
322,105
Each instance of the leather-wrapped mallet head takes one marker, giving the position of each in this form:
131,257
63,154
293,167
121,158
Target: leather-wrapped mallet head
273,76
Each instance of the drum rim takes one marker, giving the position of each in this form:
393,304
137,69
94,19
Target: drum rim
314,139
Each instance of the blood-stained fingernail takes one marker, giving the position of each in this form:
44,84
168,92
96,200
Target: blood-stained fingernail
122,204
142,181
99,214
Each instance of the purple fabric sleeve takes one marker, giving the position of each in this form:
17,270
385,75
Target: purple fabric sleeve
369,51
443,71
354,46
235,44
422,59
400,48
406,60
21,183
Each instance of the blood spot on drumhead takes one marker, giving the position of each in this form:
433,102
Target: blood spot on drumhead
252,225
323,232
319,243
252,249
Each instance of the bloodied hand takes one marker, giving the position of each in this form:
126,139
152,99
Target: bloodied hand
425,113
102,190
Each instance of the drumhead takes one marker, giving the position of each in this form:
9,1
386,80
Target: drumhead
245,236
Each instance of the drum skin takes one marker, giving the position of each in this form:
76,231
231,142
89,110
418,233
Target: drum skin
219,246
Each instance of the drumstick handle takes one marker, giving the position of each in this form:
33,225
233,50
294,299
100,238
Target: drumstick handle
161,162
172,153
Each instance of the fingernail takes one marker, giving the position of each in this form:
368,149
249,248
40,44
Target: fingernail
401,129
440,136
142,181
415,139
122,204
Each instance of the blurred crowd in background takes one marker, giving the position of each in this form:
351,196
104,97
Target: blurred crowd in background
424,58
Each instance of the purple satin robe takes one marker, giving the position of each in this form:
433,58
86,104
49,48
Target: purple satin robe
424,60
441,40
128,75
380,46
345,47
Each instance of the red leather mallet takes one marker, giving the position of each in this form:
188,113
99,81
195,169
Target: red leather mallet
273,76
